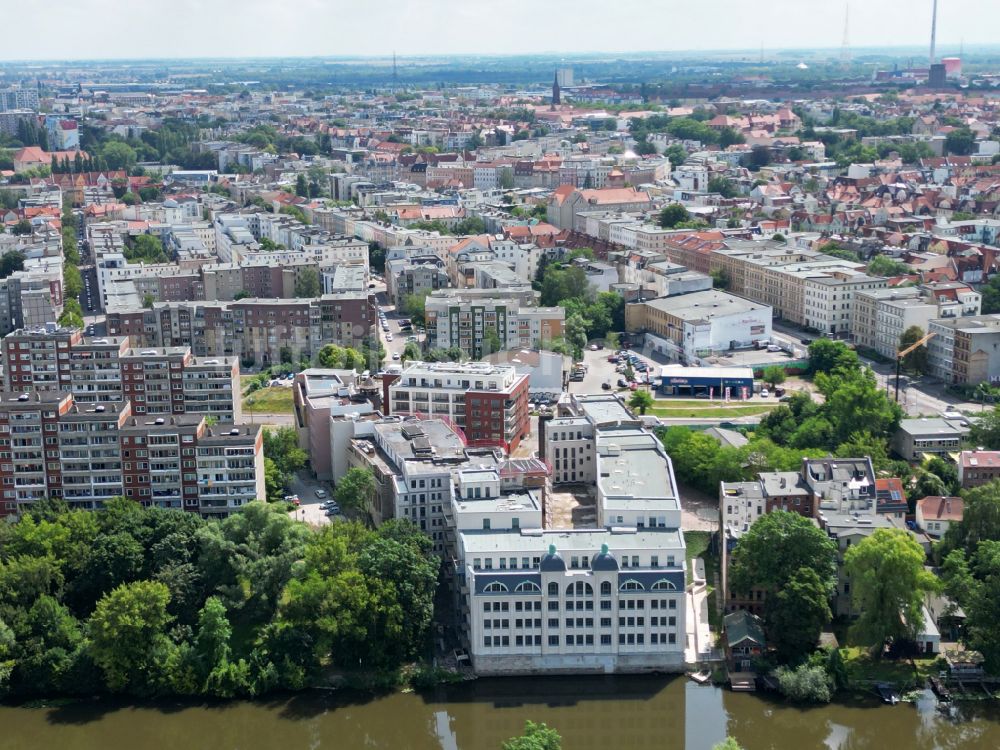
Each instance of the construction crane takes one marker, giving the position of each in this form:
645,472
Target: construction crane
903,352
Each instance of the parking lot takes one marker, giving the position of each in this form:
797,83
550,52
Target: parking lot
309,511
600,371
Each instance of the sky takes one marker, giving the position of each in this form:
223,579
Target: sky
87,29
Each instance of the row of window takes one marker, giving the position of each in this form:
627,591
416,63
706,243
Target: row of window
631,639
579,588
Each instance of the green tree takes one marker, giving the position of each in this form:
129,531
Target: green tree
146,249
128,639
991,295
10,262
960,141
915,362
307,283
882,265
855,403
672,215
888,585
72,314
760,156
774,375
282,446
48,642
729,743
775,547
535,737
827,355
866,444
985,431
980,520
975,586
413,307
118,155
356,489
491,341
22,227
640,400
302,186
722,186
798,615
805,683
411,352
72,281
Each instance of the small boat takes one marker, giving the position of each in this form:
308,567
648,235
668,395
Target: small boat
887,693
700,677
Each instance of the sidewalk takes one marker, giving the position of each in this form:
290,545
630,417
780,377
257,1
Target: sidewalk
699,643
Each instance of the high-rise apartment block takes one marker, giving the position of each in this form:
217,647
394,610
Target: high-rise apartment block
87,453
164,380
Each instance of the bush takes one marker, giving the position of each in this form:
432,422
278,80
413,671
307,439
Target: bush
804,684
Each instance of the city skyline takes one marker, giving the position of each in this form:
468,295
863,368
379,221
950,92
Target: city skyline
97,29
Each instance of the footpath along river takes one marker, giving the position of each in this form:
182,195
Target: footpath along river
591,713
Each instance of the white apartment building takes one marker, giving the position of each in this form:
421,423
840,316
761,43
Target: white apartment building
463,319
608,597
829,299
965,349
881,316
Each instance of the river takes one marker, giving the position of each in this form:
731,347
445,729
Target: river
592,713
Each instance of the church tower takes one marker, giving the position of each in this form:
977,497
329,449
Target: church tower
555,90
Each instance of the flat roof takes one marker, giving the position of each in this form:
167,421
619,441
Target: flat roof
926,426
634,469
711,373
706,304
604,408
571,540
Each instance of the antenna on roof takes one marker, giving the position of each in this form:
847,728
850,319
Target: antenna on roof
933,31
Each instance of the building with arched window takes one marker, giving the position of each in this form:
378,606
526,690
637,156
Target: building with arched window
600,592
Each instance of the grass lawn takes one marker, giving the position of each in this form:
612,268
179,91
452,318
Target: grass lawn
707,412
903,673
274,400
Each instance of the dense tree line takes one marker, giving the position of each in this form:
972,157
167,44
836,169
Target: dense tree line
701,462
160,602
855,413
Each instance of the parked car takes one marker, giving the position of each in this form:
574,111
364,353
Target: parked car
593,347
633,386
320,492
764,393
779,392
388,337
702,394
395,356
622,383
773,348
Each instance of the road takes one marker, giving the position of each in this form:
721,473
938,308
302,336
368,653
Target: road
399,338
923,396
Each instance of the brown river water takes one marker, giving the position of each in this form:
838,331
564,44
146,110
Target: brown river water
591,713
